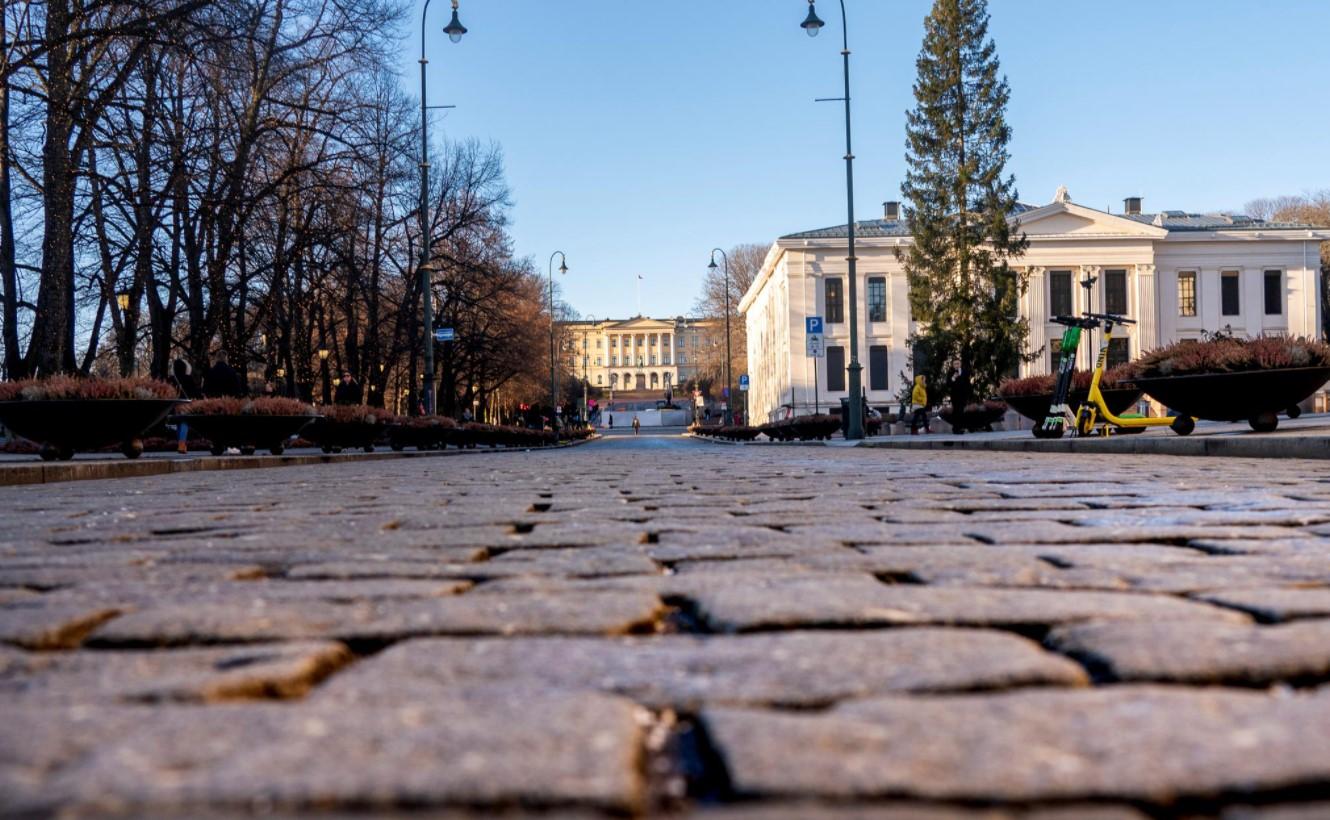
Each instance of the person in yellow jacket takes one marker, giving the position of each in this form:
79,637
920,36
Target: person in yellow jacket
919,403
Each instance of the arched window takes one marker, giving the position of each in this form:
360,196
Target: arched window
655,380
599,379
668,377
614,380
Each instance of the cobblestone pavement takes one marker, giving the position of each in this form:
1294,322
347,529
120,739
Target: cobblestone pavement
657,626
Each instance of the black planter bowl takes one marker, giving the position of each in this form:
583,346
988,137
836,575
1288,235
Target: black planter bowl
1035,407
335,436
245,432
62,426
972,420
1257,396
431,437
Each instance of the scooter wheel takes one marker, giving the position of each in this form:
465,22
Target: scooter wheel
1044,432
1264,422
1294,411
1183,425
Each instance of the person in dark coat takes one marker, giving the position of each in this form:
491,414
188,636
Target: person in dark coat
222,379
348,390
189,389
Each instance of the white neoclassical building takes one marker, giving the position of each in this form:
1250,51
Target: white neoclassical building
1178,274
641,353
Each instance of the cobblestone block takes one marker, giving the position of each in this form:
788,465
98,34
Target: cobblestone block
1276,603
1199,651
794,669
1155,745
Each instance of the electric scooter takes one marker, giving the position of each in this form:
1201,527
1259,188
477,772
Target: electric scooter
1059,418
1094,411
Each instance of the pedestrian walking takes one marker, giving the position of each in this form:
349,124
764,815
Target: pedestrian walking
919,403
348,390
222,379
636,425
189,390
610,417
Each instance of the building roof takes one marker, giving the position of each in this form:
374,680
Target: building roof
1168,220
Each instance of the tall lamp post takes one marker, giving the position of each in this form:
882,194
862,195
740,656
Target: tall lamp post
323,370
586,384
554,385
855,423
729,407
454,30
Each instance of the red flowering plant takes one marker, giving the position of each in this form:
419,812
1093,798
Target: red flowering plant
1221,353
228,406
77,388
1044,384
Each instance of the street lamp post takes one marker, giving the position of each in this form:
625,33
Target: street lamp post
454,30
586,414
855,409
323,369
554,385
729,398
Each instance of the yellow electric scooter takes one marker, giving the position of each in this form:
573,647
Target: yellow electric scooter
1095,413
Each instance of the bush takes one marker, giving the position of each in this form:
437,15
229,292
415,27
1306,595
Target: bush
356,414
74,388
1227,354
246,407
803,428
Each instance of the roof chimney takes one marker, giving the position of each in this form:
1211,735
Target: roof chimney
891,211
1132,204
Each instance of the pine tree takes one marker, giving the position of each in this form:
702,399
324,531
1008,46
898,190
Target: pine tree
963,294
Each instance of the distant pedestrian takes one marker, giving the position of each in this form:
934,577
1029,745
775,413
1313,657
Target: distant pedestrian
610,418
919,403
189,390
636,425
222,379
348,390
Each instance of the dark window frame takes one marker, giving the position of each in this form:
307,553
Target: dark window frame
879,372
1116,301
835,308
835,369
877,308
1056,293
1187,297
1275,277
1226,291
1119,351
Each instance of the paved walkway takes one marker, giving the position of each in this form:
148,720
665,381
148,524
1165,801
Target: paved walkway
657,626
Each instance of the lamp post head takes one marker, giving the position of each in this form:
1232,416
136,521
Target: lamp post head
812,24
122,299
712,266
324,353
454,29
563,266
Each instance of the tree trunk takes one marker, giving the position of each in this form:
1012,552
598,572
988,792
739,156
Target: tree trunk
14,366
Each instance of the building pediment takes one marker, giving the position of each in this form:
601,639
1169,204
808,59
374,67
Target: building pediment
640,323
1071,220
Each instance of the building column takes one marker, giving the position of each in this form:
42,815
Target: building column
1147,309
1036,310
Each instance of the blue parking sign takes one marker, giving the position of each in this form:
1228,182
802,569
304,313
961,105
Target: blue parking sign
813,324
743,382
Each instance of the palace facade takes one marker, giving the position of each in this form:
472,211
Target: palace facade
641,354
1178,274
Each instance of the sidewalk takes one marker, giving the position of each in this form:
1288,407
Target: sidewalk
1305,437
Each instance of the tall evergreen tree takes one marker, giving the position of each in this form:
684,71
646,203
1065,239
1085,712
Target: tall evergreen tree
963,294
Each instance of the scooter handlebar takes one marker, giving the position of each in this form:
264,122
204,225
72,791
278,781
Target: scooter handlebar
1111,317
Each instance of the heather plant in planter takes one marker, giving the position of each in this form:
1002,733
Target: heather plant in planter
66,413
1225,378
421,432
247,424
802,428
344,426
1033,395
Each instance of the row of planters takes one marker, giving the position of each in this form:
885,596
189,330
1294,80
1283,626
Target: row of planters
1222,378
64,414
800,428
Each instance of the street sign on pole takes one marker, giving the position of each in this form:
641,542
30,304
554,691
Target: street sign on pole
813,324
815,346
743,382
443,334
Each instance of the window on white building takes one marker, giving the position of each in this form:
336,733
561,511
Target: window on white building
1115,292
1059,293
1274,293
1054,355
877,299
877,366
834,290
1119,352
835,369
1187,293
1230,293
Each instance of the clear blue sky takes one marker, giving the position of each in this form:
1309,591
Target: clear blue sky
638,135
